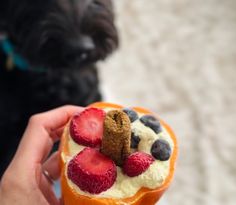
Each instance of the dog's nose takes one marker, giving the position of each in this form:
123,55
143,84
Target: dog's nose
81,49
86,43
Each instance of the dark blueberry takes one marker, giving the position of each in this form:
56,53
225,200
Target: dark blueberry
152,122
134,141
161,150
131,113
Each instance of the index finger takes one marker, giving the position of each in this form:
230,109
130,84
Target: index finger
56,118
36,141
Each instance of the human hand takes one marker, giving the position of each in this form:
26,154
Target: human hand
24,182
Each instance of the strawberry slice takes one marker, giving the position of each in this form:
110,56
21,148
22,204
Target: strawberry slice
92,171
86,128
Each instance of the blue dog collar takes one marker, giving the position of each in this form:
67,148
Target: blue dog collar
15,59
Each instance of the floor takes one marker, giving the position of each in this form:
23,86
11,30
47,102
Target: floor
178,58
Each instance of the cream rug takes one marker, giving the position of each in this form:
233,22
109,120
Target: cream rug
178,58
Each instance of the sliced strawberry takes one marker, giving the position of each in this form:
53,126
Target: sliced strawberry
137,163
86,128
92,171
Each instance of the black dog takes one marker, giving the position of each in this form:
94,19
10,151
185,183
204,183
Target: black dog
47,59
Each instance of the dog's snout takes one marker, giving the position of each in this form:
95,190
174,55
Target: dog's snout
85,43
80,49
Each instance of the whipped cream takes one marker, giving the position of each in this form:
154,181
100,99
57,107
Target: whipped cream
124,185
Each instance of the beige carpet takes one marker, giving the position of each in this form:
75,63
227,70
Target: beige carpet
178,58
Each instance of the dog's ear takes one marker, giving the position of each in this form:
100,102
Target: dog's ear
3,23
2,26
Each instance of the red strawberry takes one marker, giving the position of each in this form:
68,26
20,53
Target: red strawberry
136,163
86,128
92,171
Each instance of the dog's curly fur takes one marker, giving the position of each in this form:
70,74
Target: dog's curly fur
66,38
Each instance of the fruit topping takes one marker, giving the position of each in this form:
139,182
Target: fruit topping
137,163
152,122
117,136
86,128
161,150
134,141
131,113
92,171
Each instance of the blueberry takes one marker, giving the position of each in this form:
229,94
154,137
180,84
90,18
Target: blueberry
161,150
131,113
152,122
134,141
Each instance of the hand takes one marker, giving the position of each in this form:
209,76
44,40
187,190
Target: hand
24,182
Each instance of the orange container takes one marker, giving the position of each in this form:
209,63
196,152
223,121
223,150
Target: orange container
143,196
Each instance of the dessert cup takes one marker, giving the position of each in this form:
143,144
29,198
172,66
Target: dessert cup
142,196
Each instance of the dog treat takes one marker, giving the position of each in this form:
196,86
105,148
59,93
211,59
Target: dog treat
113,155
116,136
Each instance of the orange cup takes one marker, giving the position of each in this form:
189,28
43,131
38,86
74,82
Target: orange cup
143,196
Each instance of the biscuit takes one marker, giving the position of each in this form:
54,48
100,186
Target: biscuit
117,136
